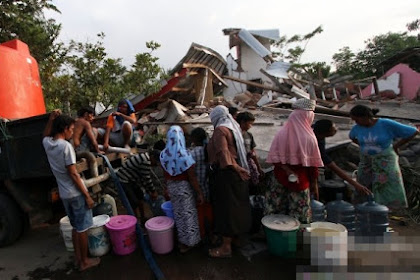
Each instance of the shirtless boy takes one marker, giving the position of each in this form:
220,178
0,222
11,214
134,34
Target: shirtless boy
84,137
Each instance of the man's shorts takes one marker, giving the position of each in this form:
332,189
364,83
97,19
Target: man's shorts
79,214
116,138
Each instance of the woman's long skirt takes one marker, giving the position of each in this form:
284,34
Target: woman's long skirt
382,174
185,212
230,200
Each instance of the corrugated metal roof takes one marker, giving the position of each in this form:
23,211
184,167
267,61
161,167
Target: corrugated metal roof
271,34
278,69
253,43
198,54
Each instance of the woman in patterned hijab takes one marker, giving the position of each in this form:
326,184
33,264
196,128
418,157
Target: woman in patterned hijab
178,166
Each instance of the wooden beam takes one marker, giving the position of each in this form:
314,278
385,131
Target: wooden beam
318,116
178,89
196,65
199,122
251,83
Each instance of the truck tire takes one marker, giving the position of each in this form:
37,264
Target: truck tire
11,220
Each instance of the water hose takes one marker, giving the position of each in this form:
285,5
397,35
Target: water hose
140,237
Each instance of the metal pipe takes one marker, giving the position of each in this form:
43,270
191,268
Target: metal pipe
93,165
96,180
93,168
116,149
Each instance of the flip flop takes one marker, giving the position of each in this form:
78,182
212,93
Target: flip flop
184,250
217,253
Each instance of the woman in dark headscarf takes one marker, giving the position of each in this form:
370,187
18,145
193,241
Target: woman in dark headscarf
178,166
119,126
229,175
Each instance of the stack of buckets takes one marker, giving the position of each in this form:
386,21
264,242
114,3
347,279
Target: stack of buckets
98,236
120,229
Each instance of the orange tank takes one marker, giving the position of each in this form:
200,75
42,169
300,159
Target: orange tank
20,85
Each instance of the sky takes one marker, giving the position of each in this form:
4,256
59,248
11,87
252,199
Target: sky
175,24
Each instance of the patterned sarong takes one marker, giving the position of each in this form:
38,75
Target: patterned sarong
381,173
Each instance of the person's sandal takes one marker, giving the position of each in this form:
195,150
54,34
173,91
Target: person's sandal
217,253
183,249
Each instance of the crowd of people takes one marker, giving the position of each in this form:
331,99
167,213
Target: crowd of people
219,171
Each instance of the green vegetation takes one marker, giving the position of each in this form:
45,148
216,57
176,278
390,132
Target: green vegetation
78,73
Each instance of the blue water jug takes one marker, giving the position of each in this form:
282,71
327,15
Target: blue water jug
318,210
372,218
342,212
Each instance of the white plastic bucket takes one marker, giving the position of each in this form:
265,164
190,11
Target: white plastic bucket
98,236
66,231
328,243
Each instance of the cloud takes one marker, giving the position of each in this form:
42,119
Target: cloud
129,24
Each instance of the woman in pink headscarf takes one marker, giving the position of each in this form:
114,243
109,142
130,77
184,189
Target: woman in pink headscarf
295,155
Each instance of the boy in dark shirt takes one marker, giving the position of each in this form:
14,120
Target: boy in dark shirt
326,128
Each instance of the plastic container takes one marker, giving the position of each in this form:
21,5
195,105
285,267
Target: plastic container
20,83
318,210
122,231
328,244
167,208
341,212
372,218
281,234
161,234
330,188
109,199
103,208
66,231
98,236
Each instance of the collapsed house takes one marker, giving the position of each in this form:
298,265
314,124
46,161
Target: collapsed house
399,81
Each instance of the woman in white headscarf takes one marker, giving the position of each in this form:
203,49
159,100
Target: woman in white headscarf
228,180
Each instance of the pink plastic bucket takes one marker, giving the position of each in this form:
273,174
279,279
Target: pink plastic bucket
161,234
122,231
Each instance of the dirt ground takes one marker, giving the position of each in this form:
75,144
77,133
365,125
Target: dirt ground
41,254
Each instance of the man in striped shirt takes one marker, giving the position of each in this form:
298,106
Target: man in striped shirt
136,176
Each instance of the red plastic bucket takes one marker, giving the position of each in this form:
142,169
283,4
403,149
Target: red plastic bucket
122,231
161,234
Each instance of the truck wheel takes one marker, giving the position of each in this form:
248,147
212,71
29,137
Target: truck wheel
11,221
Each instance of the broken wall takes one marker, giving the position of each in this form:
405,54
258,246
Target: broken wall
252,62
409,82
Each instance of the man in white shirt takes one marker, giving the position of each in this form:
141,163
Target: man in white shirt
74,194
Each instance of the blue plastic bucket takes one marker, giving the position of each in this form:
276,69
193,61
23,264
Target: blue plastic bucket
167,208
